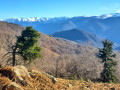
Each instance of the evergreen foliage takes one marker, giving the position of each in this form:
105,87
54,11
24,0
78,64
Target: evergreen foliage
28,44
106,54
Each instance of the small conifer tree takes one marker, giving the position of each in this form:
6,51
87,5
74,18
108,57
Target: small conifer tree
106,54
26,46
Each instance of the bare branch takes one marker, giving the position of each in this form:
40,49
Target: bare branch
7,54
9,60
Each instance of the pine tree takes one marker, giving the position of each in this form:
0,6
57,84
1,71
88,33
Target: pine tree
106,54
26,46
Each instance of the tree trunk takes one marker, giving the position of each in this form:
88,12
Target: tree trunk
14,53
56,68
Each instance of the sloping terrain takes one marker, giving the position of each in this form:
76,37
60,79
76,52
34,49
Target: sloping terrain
79,36
72,59
7,36
21,78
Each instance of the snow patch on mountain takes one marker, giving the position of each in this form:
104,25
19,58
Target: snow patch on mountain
53,19
108,15
1,19
34,19
19,19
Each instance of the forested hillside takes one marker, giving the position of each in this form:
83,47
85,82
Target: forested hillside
73,60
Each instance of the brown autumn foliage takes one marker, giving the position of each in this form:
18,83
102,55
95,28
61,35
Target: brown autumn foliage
4,82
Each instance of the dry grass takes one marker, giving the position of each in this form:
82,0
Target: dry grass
39,81
7,71
4,82
77,85
42,82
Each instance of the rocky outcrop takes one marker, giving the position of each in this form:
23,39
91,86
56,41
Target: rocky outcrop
21,72
20,78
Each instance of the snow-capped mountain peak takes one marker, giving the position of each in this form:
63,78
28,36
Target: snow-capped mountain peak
34,19
108,15
54,19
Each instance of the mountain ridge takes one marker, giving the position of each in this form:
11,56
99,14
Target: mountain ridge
33,19
105,26
79,36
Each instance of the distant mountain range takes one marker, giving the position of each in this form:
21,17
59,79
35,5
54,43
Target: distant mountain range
79,36
55,19
105,26
36,19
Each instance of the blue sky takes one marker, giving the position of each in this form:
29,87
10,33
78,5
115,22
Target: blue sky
56,8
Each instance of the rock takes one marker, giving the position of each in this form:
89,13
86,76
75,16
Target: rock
69,85
51,77
48,75
14,86
54,80
35,72
21,71
22,75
